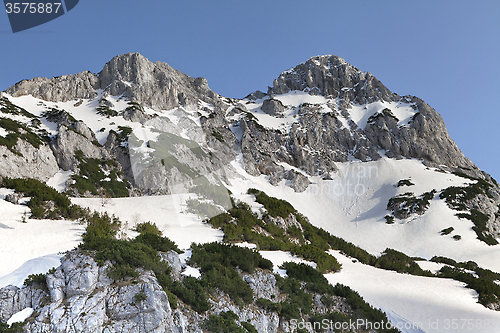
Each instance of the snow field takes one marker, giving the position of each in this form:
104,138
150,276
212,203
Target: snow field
417,303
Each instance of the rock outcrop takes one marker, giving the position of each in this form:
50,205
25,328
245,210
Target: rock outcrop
30,162
80,297
156,85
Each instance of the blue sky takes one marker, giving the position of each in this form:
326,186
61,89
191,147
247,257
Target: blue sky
446,52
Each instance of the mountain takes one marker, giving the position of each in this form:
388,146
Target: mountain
145,143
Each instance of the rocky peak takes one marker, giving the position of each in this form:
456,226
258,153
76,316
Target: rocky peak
132,75
130,67
330,75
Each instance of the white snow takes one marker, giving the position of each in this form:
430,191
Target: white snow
279,257
421,302
357,113
3,132
297,97
360,113
246,245
353,205
191,271
20,316
58,181
163,210
21,242
38,265
433,267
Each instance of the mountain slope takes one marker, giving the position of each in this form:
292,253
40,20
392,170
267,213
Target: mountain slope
367,165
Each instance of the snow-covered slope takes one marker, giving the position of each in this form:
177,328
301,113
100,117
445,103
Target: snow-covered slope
335,146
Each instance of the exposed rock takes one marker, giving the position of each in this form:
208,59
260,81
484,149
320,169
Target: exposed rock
58,89
67,142
290,221
263,284
298,181
135,115
155,85
38,163
174,262
273,107
132,75
14,197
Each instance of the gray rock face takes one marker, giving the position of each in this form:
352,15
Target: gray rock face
333,76
13,300
58,89
82,298
155,85
68,141
38,163
273,107
289,222
317,140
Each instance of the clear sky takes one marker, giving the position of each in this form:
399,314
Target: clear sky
446,52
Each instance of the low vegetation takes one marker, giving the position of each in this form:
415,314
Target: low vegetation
483,281
240,224
404,182
8,108
45,201
226,322
122,134
458,198
99,177
106,111
404,205
18,130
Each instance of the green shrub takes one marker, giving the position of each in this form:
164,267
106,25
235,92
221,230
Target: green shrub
106,111
91,177
36,280
147,228
140,297
7,107
315,281
218,263
298,301
41,195
360,307
275,207
225,322
14,328
122,134
479,219
446,231
18,131
397,261
157,242
405,182
404,205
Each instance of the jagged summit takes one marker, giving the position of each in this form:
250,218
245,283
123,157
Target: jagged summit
330,75
130,75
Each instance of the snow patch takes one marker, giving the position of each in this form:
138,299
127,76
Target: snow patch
58,181
20,316
416,300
